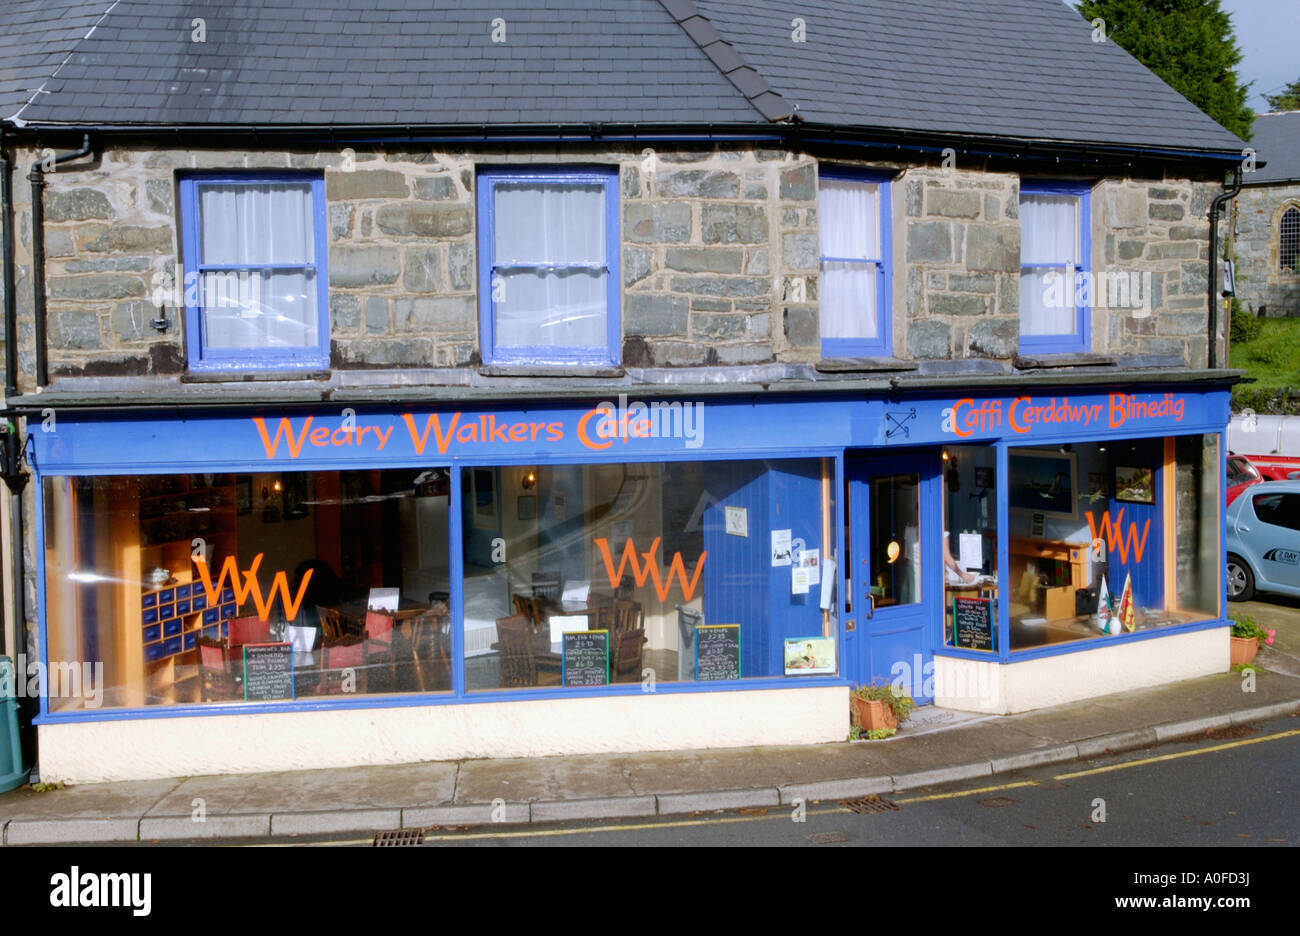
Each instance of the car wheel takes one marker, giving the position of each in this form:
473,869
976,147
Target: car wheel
1241,581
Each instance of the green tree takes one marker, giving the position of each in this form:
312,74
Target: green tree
1287,99
1189,44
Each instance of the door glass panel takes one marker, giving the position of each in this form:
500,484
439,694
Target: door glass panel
895,539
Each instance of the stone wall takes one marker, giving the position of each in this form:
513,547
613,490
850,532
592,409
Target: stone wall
719,260
1262,287
960,269
1160,227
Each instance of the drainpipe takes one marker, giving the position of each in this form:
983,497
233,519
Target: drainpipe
11,301
37,178
1219,200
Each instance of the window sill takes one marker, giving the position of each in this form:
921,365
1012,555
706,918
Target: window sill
219,376
1037,361
554,370
847,365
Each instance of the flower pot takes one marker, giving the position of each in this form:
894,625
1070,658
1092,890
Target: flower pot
874,715
1244,649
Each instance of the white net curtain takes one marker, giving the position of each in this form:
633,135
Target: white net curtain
1049,233
549,277
849,214
258,224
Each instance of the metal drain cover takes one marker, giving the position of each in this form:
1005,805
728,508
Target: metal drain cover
869,804
995,801
399,837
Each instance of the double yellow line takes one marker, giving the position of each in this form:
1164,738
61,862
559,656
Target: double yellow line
782,812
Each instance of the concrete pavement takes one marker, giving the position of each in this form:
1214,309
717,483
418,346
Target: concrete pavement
528,790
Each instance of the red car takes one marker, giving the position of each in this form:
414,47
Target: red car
1276,467
1241,475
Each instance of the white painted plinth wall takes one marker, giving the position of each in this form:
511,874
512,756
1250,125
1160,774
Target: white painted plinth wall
149,748
977,686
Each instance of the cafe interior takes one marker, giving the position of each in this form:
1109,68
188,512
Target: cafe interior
170,579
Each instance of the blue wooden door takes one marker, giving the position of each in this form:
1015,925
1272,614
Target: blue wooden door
893,529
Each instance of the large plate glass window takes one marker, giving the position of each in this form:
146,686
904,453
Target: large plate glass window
664,572
232,588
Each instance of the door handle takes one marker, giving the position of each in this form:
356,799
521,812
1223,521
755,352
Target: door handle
1243,528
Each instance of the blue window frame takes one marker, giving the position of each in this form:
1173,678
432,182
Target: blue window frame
549,266
1055,221
256,282
856,247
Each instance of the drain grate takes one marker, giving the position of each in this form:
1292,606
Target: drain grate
828,838
869,804
399,837
996,801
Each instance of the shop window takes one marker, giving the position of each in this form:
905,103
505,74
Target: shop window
256,281
1092,527
970,570
165,590
1054,248
549,280
664,572
855,290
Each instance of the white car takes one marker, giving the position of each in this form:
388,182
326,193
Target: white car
1264,540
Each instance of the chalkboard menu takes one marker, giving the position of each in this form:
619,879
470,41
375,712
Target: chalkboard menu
268,672
717,652
585,658
973,623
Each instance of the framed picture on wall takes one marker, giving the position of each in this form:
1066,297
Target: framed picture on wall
1043,481
1135,485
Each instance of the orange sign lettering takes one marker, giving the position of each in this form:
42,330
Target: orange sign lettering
250,587
650,570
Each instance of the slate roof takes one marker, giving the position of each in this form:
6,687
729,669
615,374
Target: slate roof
1014,68
1017,69
36,37
1276,141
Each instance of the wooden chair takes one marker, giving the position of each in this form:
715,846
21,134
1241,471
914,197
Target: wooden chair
346,653
216,678
331,623
379,642
431,643
602,613
248,630
628,616
529,608
627,656
518,665
687,621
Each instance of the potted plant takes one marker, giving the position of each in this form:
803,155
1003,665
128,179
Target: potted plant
881,707
1246,635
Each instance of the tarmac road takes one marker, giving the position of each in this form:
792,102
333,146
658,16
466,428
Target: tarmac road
1234,787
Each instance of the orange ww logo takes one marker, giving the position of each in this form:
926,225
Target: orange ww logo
250,587
650,569
1114,535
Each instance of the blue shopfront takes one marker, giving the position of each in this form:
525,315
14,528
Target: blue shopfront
411,560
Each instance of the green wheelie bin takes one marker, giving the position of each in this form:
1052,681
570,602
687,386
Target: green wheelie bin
12,772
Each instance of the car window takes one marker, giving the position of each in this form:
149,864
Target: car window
1278,508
